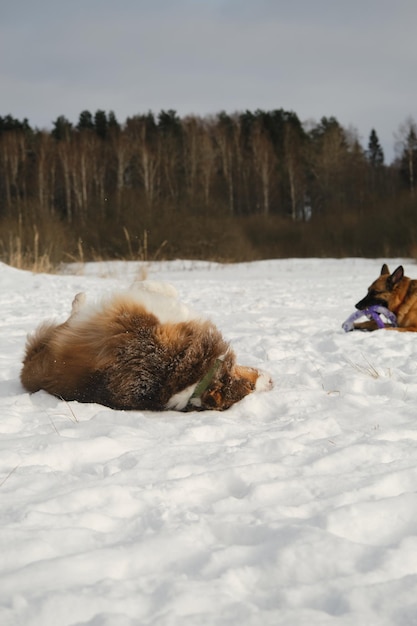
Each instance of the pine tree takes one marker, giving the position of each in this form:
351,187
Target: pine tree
61,128
85,121
101,123
112,122
409,158
375,153
9,123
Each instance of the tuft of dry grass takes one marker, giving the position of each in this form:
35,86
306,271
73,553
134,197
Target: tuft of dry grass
37,247
13,252
368,369
142,253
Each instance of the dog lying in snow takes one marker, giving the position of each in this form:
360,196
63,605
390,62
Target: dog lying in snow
398,294
138,349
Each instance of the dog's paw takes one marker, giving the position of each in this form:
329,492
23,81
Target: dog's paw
78,302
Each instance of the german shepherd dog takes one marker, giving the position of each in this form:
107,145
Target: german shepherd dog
398,294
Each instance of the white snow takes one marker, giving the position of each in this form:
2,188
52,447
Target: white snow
297,506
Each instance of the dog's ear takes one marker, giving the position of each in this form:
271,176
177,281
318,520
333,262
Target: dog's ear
396,276
384,269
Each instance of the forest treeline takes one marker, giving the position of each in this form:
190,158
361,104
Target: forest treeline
228,187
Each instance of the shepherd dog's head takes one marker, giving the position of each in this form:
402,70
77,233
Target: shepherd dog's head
385,290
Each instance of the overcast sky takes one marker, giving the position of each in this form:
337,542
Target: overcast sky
353,59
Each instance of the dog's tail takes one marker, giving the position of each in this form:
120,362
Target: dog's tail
36,363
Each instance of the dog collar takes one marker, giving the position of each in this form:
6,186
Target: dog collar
205,382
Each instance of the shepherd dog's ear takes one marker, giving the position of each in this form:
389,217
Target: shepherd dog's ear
385,270
396,277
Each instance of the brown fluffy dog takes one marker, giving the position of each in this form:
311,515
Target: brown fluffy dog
396,292
139,349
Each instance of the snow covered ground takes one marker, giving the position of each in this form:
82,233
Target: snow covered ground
295,507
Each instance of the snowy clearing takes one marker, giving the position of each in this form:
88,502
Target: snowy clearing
295,507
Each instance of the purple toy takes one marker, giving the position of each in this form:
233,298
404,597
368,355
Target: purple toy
372,312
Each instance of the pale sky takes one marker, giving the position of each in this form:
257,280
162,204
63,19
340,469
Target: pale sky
353,59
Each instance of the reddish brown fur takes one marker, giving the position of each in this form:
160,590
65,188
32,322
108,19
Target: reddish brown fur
123,357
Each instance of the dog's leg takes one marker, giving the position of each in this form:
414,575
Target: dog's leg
369,325
403,329
77,303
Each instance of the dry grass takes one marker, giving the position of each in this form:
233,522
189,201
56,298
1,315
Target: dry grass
14,253
21,248
368,369
142,252
44,245
37,247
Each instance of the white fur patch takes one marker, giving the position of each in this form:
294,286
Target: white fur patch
156,287
264,381
160,299
180,400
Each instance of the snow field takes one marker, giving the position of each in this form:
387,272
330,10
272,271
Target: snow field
296,506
